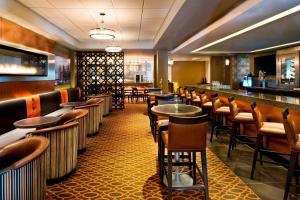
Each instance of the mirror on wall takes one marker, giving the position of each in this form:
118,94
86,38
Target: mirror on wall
287,65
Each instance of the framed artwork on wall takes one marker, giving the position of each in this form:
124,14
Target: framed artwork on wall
62,70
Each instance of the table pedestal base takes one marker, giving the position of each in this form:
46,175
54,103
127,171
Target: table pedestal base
182,180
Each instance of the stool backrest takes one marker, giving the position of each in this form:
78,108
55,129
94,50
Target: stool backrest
216,102
290,128
204,98
234,110
187,133
257,116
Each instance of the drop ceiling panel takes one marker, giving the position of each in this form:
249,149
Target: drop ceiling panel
128,4
158,3
155,13
66,3
97,3
36,3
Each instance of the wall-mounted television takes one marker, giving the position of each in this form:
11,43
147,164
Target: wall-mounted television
265,63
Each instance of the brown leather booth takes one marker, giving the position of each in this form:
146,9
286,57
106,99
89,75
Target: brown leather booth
16,109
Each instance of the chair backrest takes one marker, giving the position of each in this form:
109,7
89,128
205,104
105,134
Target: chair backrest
187,133
93,101
22,152
216,102
290,128
193,94
204,98
257,116
72,115
234,110
135,91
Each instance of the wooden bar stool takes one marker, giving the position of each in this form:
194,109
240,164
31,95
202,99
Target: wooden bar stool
206,103
220,112
185,134
266,130
294,141
196,101
237,119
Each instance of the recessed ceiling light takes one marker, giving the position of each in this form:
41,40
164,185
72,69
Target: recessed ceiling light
254,26
275,47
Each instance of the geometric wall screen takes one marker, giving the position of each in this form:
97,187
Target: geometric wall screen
100,72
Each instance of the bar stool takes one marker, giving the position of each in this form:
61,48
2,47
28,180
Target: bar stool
238,118
294,141
188,97
181,93
206,103
219,113
196,101
265,131
185,134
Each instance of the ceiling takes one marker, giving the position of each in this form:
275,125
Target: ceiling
281,31
133,20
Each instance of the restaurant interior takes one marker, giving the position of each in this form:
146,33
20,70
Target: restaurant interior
149,99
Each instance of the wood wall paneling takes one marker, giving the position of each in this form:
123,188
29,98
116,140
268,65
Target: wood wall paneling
11,90
188,72
14,33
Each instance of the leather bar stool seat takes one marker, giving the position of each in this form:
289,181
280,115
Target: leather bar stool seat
219,113
266,130
207,104
23,169
239,118
184,135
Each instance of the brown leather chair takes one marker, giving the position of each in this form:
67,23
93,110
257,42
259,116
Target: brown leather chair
266,130
206,103
239,118
23,169
61,155
294,141
220,112
94,107
185,134
79,115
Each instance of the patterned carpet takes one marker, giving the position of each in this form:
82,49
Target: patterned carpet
120,163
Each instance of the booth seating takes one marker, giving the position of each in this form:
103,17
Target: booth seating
94,114
61,156
79,115
23,169
32,106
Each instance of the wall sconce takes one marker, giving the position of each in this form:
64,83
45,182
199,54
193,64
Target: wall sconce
227,62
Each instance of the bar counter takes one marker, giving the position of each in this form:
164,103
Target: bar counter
292,103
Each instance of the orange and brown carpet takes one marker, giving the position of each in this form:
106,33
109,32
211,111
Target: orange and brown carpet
120,163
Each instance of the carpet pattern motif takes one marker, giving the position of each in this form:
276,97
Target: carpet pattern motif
120,163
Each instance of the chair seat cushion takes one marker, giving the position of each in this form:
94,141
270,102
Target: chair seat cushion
165,137
207,104
223,110
272,127
163,122
244,117
196,100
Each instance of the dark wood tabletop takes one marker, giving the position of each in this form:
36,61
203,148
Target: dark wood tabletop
72,104
37,122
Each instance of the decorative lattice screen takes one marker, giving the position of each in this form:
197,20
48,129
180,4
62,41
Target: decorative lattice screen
101,72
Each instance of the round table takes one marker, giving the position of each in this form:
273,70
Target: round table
176,110
179,179
72,104
160,94
36,122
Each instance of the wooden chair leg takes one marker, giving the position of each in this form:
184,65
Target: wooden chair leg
162,162
212,128
204,172
194,168
169,175
233,132
290,175
257,148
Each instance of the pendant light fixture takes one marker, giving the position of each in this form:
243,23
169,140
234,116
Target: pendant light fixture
113,48
102,33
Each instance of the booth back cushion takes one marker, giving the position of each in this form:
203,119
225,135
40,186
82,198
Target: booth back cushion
50,102
11,111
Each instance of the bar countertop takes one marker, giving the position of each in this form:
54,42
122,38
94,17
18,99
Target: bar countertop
275,100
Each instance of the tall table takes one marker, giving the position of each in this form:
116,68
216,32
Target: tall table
179,179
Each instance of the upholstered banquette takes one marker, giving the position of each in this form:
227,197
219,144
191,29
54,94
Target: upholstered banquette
32,106
23,169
